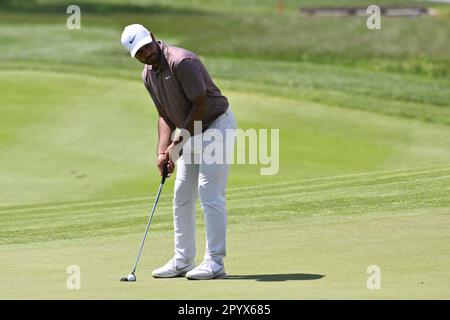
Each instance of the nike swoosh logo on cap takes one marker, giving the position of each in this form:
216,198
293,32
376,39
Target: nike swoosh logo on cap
131,41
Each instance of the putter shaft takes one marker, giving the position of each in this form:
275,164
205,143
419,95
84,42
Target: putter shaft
148,226
163,179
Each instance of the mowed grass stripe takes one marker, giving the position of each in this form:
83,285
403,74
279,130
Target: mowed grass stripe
429,189
249,188
376,178
343,184
412,188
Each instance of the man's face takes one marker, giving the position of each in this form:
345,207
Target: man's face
149,54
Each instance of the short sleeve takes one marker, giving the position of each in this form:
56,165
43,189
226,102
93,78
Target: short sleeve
189,75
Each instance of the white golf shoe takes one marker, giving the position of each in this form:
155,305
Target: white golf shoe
208,269
173,268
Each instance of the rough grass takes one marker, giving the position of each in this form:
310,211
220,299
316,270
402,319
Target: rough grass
416,46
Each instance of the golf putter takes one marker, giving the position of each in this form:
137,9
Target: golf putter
132,277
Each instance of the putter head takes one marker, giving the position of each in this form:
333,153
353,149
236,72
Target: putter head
129,278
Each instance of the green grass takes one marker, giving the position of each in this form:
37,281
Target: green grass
188,6
416,46
71,140
319,237
364,151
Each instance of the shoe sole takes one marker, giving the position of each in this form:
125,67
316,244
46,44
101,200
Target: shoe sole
178,275
219,276
167,277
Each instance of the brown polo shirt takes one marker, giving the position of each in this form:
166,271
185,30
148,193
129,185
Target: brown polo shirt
180,78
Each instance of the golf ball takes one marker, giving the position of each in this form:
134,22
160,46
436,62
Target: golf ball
131,277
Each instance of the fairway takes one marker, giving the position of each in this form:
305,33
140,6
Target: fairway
364,176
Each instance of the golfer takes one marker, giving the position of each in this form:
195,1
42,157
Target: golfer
183,92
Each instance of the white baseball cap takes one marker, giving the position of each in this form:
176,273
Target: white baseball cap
134,37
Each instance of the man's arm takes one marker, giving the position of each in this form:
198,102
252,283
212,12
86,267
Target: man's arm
199,109
164,135
165,130
189,75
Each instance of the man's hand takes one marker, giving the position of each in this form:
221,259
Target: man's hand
172,156
163,160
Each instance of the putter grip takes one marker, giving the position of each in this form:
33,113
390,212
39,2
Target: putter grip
164,175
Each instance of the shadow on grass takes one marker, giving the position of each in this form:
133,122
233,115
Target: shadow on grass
277,277
90,7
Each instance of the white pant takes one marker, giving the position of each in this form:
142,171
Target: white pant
209,181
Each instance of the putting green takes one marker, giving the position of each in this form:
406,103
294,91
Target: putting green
315,239
87,153
364,175
80,137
